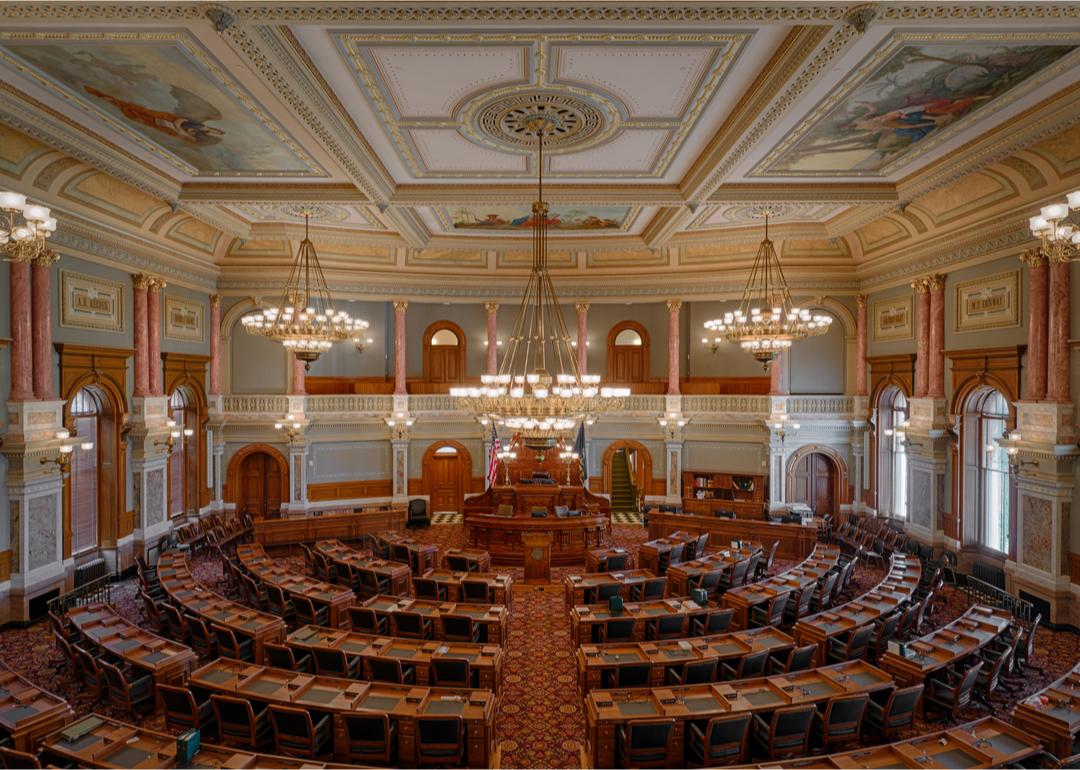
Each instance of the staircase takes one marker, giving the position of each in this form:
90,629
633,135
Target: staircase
623,494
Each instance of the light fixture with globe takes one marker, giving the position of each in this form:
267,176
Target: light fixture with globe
1059,240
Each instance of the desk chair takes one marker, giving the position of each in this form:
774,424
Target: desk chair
418,514
764,567
673,556
644,742
884,630
330,662
277,603
391,670
253,592
897,712
692,672
950,695
460,628
629,675
71,660
823,596
841,723
93,679
653,588
134,695
854,647
751,569
461,564
906,623
426,588
240,723
602,593
797,659
450,672
617,562
475,591
617,630
772,614
285,657
666,627
202,639
1025,653
721,741
709,581
713,622
365,620
310,614
412,625
18,760
799,607
439,741
372,739
786,734
174,623
988,681
296,734
372,583
733,577
229,646
151,607
748,666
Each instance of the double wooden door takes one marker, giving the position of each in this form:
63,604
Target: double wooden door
446,492
815,482
627,363
260,485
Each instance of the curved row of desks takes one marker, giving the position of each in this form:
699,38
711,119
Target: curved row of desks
821,559
1053,714
492,618
347,560
27,712
334,597
681,575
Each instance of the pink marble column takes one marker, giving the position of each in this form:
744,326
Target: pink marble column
140,283
860,345
936,367
42,323
776,376
298,386
399,347
492,309
215,344
153,336
1038,287
22,365
673,306
922,349
1057,376
582,337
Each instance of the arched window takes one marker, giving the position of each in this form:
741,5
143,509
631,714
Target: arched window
986,491
184,458
628,353
83,481
892,473
444,352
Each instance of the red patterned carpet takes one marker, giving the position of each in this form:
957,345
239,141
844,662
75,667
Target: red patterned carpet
540,722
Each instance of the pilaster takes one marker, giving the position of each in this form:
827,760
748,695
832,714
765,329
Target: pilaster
400,468
149,455
298,463
927,439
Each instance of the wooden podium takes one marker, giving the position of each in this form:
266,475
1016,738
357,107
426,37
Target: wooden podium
537,556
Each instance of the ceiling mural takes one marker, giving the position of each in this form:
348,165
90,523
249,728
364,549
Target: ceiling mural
916,93
511,219
165,92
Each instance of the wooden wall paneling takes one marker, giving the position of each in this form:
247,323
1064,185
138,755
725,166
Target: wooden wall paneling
5,565
350,490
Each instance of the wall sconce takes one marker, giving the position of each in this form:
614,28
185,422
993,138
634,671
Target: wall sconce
569,457
505,456
361,342
292,427
174,435
713,345
498,343
1012,451
901,434
781,427
68,443
400,419
673,419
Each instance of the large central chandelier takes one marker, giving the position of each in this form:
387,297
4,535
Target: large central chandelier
305,320
766,321
538,391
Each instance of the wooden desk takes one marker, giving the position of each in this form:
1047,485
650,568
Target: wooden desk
168,661
1053,714
596,559
594,661
796,540
28,713
972,631
897,587
649,553
606,710
396,572
327,526
114,744
479,560
402,703
485,659
500,584
816,566
184,591
492,618
583,618
334,597
424,555
575,586
503,537
680,575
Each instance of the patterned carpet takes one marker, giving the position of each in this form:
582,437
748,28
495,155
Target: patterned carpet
539,722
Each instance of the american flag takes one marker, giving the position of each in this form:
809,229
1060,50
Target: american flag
493,464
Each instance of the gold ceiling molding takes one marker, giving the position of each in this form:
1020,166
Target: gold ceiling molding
271,192
853,193
409,195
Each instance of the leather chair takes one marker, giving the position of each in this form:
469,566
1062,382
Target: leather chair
460,564
418,514
240,724
202,639
749,665
644,742
714,622
330,662
618,630
631,675
787,733
183,712
823,596
733,577
771,614
372,739
475,591
277,603
71,660
1025,653
440,741
412,625
798,659
460,628
799,607
853,648
950,695
450,672
391,670
174,623
152,610
764,567
617,562
884,630
372,583
694,672
673,556
93,679
721,741
898,711
285,657
18,760
653,588
253,592
230,646
365,620
666,627
841,722
134,695
426,588
751,569
296,734
602,593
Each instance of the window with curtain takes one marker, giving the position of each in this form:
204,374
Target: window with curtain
892,454
988,416
178,469
83,479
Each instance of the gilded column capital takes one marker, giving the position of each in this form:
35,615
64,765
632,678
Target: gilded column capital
920,285
582,307
45,258
141,280
860,300
673,305
1033,257
401,304
491,307
215,300
156,284
1059,257
936,282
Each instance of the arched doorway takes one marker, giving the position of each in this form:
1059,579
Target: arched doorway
628,353
638,460
447,475
184,457
258,480
444,352
818,478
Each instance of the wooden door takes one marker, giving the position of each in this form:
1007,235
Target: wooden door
260,485
814,482
628,363
444,362
446,493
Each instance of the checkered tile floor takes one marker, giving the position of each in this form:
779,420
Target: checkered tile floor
446,518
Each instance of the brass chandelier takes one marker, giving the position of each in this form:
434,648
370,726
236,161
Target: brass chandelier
766,321
305,321
1059,240
26,240
538,390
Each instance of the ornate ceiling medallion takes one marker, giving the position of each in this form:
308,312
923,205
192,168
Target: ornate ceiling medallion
503,118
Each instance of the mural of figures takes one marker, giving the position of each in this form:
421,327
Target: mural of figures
511,218
919,90
160,91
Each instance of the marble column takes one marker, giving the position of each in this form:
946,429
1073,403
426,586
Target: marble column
922,349
936,384
42,324
1038,286
153,329
1058,352
492,309
140,283
215,344
399,347
22,365
673,306
582,337
298,388
776,376
860,345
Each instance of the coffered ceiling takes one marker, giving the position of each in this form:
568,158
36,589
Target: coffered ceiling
401,124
